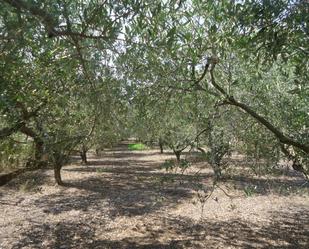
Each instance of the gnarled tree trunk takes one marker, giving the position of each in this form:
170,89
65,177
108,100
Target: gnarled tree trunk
59,160
83,154
161,146
177,154
57,174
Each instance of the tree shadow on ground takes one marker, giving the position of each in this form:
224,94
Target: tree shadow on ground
262,167
126,193
31,181
136,191
119,154
280,180
260,186
139,165
132,167
266,186
285,230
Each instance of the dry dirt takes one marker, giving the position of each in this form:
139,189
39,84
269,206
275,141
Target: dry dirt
124,199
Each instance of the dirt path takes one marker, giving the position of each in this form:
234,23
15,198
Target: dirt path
125,200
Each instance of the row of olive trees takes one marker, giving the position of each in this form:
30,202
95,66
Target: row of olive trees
237,57
73,73
58,91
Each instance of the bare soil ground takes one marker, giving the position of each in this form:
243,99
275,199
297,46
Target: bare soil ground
124,199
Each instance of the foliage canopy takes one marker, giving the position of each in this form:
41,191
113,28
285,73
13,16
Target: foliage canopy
81,75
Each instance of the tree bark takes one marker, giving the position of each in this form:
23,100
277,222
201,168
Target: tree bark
57,174
39,150
83,155
39,144
296,164
177,154
52,24
217,172
7,131
97,152
161,146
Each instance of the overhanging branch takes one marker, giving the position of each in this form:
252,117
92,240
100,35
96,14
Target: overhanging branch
50,22
284,139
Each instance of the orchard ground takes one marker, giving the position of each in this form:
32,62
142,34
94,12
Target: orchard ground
125,199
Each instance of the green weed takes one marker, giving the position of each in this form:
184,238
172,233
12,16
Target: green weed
100,170
138,146
250,190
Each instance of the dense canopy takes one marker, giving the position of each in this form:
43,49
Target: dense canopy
229,76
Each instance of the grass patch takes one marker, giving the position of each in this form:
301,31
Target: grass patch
30,185
138,146
250,190
100,170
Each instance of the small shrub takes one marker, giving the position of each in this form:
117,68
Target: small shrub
250,190
30,185
203,193
100,170
184,164
166,179
138,146
168,165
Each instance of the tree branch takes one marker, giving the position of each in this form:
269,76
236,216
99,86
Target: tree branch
26,115
284,139
49,22
8,131
47,19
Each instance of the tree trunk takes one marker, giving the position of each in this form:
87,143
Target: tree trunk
161,146
296,164
8,131
97,152
39,150
57,174
38,142
177,154
217,172
83,155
